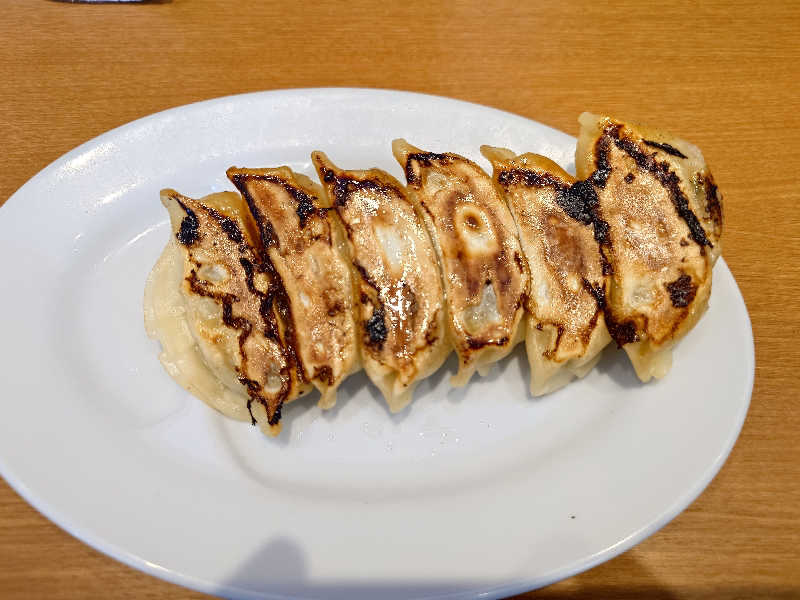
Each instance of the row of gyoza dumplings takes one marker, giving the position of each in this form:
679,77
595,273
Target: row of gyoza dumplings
290,286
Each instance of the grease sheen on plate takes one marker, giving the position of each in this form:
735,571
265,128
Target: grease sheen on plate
470,491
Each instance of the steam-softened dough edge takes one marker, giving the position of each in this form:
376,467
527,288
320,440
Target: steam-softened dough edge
548,376
205,367
165,321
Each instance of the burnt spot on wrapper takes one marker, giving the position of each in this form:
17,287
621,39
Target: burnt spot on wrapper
265,320
265,229
423,159
375,327
622,332
189,231
602,170
659,169
597,292
344,187
712,200
664,147
579,200
681,291
324,374
305,207
227,225
477,343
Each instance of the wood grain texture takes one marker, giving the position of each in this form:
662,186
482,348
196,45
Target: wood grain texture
724,75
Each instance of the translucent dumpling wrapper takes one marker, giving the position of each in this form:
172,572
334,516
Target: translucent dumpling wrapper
565,327
399,299
659,220
303,245
484,272
216,312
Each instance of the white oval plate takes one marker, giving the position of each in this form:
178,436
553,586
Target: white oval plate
482,491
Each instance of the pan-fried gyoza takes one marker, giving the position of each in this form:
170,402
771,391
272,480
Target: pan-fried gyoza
662,218
216,311
566,329
302,247
260,297
484,272
398,290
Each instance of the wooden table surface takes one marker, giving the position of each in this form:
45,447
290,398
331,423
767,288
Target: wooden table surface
724,75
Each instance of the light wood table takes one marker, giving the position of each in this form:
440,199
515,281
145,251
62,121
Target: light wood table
725,75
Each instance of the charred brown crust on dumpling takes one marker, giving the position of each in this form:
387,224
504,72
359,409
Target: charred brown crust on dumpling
268,238
215,235
397,277
345,186
227,225
713,201
602,170
557,247
425,159
296,232
578,199
374,326
665,219
277,296
305,209
681,291
598,292
663,146
478,343
661,170
626,250
622,332
189,232
288,335
484,273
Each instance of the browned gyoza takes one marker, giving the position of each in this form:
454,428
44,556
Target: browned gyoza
231,306
300,241
483,269
258,298
663,219
399,298
565,327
